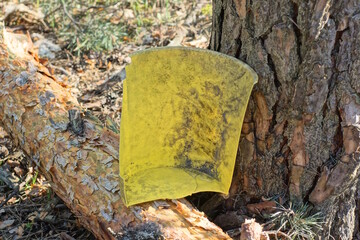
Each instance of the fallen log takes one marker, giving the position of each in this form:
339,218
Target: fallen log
79,156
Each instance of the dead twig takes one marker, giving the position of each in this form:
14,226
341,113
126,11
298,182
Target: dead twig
12,194
77,26
276,233
51,12
60,69
19,188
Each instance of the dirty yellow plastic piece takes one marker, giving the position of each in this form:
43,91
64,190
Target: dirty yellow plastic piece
182,114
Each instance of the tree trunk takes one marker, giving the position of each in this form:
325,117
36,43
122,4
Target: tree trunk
300,136
79,156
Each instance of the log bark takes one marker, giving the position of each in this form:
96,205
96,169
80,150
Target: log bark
79,156
300,138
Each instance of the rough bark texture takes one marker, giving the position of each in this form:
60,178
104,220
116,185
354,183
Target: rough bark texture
80,156
301,132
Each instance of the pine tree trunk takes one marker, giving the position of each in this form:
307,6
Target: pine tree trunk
301,133
79,156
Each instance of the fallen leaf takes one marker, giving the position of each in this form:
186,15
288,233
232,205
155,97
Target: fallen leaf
267,206
20,231
37,191
93,105
19,171
4,151
179,37
199,43
6,223
13,163
12,200
65,236
3,134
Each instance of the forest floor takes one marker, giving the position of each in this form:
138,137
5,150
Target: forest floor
85,46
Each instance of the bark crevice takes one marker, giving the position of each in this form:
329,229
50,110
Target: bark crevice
300,133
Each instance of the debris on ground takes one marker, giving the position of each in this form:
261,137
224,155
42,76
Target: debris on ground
251,230
262,207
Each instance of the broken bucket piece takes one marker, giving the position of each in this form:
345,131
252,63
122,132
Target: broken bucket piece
182,114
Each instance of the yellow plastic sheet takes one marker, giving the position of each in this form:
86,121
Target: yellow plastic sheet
182,114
